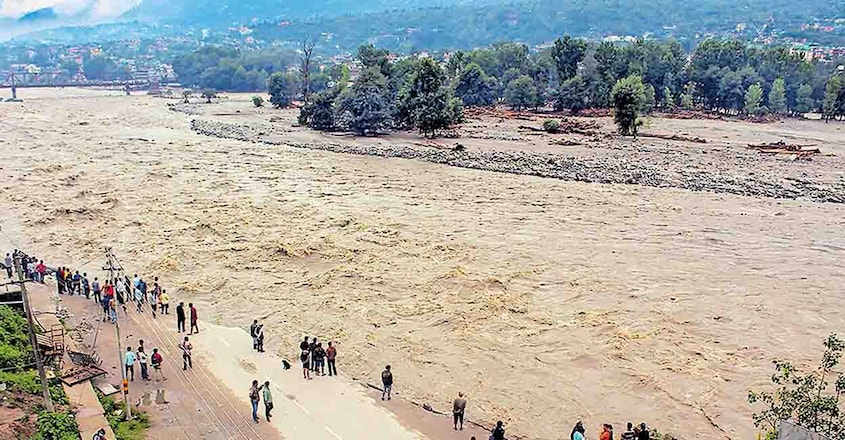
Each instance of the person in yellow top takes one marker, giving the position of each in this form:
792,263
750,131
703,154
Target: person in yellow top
164,300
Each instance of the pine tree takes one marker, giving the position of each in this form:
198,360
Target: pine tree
282,89
777,97
753,99
425,103
572,95
804,102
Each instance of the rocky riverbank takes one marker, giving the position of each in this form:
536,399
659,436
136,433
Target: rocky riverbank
637,165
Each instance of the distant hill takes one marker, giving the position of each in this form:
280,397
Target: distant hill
211,12
44,14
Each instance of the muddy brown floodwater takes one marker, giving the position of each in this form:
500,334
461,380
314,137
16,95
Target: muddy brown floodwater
545,301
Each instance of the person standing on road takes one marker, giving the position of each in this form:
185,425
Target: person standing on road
193,319
129,362
139,299
112,309
142,360
165,302
606,432
95,287
41,270
86,286
305,358
100,435
77,284
642,432
254,397
7,263
498,432
629,433
153,303
253,331
311,347
331,354
577,431
259,337
186,348
458,408
180,317
387,382
319,360
268,400
156,360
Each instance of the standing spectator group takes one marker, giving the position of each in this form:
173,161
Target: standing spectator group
313,358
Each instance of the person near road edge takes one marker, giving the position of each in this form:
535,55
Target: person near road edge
642,432
194,318
311,347
95,287
387,382
153,303
268,400
180,317
129,363
319,360
7,263
156,361
498,432
100,435
253,331
254,396
86,286
260,337
142,360
606,432
577,431
186,348
331,355
305,358
458,409
165,302
629,433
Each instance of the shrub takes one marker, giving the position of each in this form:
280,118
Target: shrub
258,101
551,125
806,398
56,426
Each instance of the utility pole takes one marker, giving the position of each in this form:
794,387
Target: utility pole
111,268
45,390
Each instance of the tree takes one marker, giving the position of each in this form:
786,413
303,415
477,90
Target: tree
318,113
258,101
567,53
474,87
521,93
753,99
307,49
572,95
809,398
777,97
426,102
364,107
648,104
282,89
208,95
628,99
804,102
687,98
834,98
668,98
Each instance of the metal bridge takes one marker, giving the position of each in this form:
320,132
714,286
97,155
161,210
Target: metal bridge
57,78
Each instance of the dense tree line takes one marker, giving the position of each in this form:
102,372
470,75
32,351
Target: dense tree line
411,93
227,69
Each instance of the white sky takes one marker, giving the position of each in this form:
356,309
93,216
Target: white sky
99,8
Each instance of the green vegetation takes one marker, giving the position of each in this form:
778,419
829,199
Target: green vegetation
551,125
753,98
628,100
834,98
777,97
258,101
282,88
134,429
814,399
56,426
15,351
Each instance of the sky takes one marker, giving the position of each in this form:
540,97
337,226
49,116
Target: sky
97,9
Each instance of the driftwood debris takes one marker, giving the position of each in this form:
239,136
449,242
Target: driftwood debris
674,137
781,147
